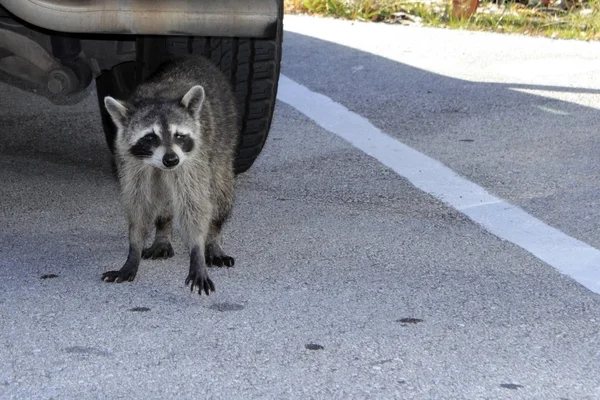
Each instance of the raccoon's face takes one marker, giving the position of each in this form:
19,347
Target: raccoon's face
163,145
159,134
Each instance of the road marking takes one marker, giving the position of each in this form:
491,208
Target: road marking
568,255
551,110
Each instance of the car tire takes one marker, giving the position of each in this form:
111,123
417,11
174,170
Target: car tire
252,64
117,82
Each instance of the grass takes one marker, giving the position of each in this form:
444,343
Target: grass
569,21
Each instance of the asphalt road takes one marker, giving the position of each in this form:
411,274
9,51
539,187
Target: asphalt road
349,281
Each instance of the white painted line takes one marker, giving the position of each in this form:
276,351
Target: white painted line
568,255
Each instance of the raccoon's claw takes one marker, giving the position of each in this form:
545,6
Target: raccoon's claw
221,261
202,281
215,256
158,250
118,276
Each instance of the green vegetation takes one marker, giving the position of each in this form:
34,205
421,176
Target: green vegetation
566,19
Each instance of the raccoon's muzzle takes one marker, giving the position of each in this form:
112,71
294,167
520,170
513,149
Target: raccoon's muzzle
170,160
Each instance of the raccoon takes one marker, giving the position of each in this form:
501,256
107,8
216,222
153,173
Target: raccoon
177,136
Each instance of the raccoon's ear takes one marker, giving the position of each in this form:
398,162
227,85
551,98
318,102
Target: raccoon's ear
193,100
117,111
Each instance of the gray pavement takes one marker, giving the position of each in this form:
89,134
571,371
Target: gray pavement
435,88
331,248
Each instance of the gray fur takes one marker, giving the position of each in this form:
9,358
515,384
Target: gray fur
194,97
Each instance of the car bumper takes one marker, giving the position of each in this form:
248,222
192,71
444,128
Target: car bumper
233,18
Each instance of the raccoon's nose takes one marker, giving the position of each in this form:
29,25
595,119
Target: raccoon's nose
170,160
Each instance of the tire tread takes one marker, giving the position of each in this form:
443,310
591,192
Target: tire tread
253,68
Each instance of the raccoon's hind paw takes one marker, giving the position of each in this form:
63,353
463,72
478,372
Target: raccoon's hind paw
214,256
119,276
158,250
201,280
221,261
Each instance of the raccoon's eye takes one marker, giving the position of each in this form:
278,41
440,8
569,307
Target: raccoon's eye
179,136
150,138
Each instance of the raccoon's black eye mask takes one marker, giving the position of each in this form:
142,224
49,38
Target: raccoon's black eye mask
145,146
184,141
151,138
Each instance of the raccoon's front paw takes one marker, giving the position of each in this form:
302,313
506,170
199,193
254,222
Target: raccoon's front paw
158,250
119,276
200,279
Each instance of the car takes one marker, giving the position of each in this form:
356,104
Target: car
58,47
